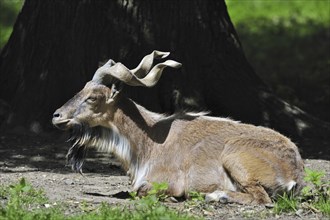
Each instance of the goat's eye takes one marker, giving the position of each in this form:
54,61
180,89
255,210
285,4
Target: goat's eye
91,99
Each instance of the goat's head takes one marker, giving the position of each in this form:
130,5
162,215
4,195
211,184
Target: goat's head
95,103
94,106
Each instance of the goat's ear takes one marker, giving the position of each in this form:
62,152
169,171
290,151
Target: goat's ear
115,90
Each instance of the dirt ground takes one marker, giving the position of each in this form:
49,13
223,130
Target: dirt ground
41,160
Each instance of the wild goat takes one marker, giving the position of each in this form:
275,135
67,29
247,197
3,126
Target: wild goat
227,160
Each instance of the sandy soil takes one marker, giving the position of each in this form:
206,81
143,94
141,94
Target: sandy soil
41,160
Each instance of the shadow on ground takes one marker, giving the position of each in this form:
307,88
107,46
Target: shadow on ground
22,152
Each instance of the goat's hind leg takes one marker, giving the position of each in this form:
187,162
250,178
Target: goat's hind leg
254,195
249,191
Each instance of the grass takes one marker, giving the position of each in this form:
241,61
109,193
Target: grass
315,197
286,203
22,201
25,202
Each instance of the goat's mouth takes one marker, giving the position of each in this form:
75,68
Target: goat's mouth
61,124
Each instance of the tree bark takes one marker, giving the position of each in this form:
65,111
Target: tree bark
56,46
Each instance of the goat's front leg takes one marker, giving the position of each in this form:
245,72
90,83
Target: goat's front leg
172,195
144,189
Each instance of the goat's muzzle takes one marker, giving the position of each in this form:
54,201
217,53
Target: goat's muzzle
60,122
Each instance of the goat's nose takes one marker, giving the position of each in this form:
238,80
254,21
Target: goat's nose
57,115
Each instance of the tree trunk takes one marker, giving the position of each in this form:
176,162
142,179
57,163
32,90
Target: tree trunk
56,46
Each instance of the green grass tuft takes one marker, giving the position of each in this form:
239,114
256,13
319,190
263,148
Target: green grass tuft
315,197
286,203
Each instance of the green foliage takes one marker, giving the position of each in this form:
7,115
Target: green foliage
314,177
314,197
196,199
158,190
302,11
288,43
196,196
8,12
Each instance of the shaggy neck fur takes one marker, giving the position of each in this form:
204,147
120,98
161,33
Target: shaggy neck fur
101,138
106,140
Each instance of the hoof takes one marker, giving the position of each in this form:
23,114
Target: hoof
217,196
